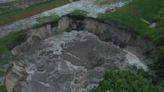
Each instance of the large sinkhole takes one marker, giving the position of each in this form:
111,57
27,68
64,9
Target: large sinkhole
74,61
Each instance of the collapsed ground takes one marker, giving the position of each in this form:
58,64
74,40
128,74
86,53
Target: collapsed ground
140,21
62,50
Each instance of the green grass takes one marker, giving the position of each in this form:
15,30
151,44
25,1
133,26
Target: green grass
3,88
127,81
17,14
2,72
130,21
46,19
78,13
8,7
6,43
147,9
5,9
162,49
102,2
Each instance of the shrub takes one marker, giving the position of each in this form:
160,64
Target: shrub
127,81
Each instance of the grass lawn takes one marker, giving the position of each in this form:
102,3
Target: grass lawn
17,14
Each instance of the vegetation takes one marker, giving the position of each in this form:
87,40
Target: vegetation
162,49
138,15
126,81
78,13
101,2
3,88
7,7
46,19
129,20
6,44
16,14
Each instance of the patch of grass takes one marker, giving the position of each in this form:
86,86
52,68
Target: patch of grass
162,49
47,19
6,44
127,81
2,72
130,21
7,7
102,2
147,9
78,13
29,11
3,88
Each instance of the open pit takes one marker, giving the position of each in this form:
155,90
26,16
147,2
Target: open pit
72,55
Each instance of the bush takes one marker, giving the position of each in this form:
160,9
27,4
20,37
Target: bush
126,81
